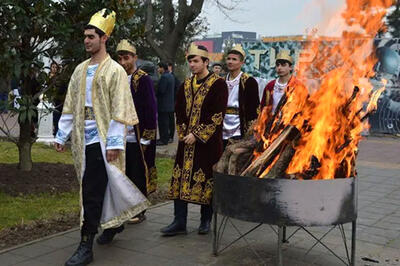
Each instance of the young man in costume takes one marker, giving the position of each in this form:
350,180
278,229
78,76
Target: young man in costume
275,89
97,109
243,100
200,109
141,138
217,68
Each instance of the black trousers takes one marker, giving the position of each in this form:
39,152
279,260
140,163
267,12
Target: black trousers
94,185
166,126
135,167
180,212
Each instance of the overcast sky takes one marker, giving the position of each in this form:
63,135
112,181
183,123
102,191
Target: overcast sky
272,17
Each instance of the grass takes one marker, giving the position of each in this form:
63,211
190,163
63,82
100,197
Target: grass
25,209
40,154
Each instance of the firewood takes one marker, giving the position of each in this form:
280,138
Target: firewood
288,134
279,168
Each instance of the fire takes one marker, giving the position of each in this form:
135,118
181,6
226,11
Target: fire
330,119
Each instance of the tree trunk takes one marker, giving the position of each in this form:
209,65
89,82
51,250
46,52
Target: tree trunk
24,146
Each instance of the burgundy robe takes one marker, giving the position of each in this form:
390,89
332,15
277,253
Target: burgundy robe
146,108
200,112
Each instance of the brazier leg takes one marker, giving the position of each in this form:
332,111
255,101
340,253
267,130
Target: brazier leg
280,242
353,242
215,234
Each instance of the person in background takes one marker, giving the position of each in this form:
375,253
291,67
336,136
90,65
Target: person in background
141,138
165,104
243,101
217,68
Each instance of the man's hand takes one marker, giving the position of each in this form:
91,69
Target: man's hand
112,155
189,139
59,147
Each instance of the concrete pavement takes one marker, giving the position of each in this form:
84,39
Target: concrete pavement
378,230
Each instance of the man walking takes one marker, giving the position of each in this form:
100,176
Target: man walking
243,101
97,109
141,138
165,104
200,110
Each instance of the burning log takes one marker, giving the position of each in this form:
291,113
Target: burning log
266,158
279,168
235,156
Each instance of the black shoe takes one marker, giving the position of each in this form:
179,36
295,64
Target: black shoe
174,229
84,254
160,143
204,227
170,140
108,235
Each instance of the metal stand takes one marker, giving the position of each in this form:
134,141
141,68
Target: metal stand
282,238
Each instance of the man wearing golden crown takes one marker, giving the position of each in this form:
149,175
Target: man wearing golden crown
243,100
200,109
141,138
97,109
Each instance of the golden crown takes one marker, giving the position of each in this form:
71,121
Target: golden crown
284,55
125,45
239,48
194,50
104,20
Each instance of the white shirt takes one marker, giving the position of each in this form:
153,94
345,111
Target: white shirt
279,90
231,125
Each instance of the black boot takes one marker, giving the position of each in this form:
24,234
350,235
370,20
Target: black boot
204,227
175,228
84,254
108,235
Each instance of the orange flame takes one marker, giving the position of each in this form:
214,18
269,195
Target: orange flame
329,117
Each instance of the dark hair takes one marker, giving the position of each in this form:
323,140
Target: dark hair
97,30
201,47
282,61
163,65
237,53
170,64
123,52
217,64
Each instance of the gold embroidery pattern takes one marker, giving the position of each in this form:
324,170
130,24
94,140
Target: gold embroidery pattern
208,190
243,78
258,110
188,95
199,177
217,118
194,112
135,78
181,129
204,132
174,188
232,111
149,134
152,184
89,113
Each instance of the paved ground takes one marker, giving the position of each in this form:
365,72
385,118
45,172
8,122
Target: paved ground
378,231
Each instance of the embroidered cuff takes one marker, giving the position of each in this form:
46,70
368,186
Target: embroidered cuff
181,129
149,134
61,137
204,132
115,143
